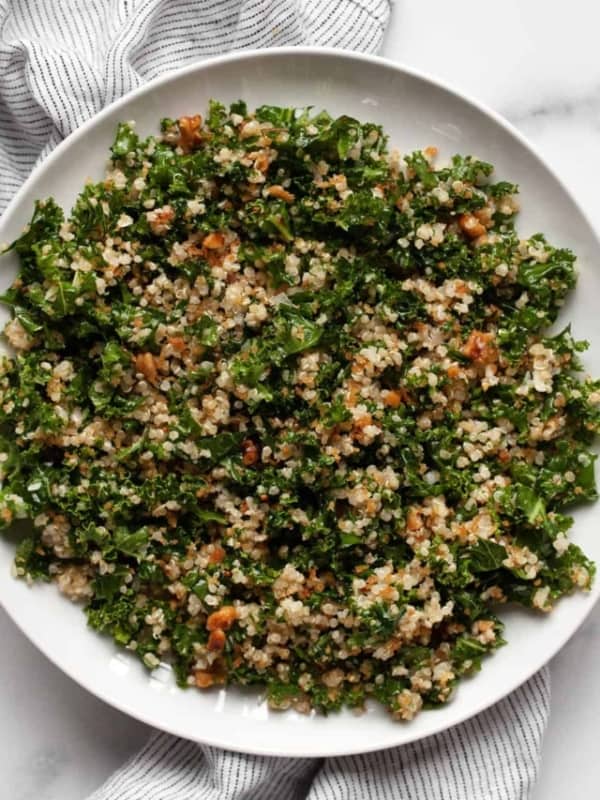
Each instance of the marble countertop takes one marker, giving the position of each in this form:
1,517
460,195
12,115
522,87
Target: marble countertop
536,63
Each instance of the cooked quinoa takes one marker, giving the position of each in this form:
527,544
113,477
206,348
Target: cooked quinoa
282,410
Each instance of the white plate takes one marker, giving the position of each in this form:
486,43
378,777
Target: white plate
416,111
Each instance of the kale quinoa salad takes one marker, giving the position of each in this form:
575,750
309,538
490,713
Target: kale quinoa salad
283,409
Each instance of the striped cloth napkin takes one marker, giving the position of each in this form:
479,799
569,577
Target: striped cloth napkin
493,756
61,61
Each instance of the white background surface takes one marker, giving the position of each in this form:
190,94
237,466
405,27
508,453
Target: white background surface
536,62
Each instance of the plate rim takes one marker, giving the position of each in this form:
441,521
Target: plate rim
569,628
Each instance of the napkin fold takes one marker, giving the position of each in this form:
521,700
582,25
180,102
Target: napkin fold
60,63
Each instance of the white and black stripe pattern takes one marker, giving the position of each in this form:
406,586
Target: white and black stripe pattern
61,61
494,756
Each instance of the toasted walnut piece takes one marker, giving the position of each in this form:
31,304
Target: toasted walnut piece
217,555
413,520
479,347
392,398
160,219
203,679
362,421
145,363
281,193
249,452
223,618
189,132
471,226
216,640
177,343
262,162
214,241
